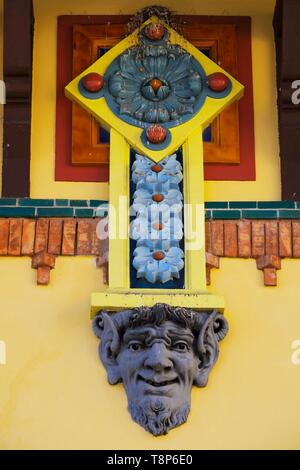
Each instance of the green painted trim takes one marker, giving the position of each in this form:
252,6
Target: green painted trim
55,212
289,214
8,202
26,207
78,203
276,205
84,213
259,214
243,205
226,214
97,203
62,202
36,202
17,212
216,205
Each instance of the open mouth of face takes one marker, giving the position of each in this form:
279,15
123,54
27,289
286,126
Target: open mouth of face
155,383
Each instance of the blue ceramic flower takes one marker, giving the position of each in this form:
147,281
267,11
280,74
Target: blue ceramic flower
145,170
157,225
158,261
160,194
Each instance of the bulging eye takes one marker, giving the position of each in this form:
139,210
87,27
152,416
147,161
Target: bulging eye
181,346
135,346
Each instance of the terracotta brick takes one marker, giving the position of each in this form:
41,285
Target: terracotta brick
208,243
84,237
217,235
258,238
296,239
41,236
268,261
103,250
43,259
28,237
244,238
55,236
95,242
15,237
270,277
69,237
230,239
43,276
208,276
105,274
4,235
271,234
285,239
212,261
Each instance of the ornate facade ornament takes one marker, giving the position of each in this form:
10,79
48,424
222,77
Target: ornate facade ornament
155,82
157,229
159,353
157,93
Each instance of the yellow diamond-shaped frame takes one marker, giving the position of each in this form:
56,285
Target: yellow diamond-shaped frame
103,114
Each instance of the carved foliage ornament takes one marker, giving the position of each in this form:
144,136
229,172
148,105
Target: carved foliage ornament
159,353
155,83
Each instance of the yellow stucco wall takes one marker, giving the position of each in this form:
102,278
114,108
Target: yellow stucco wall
43,112
53,390
54,393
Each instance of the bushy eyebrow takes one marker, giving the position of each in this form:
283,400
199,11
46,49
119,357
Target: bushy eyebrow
180,334
144,333
135,334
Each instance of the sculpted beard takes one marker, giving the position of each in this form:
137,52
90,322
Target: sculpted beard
157,417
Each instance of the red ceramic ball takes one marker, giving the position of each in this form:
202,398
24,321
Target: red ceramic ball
218,82
158,226
156,168
158,255
93,82
154,31
156,134
157,197
155,84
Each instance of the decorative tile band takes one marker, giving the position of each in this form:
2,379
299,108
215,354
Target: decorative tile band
52,208
98,208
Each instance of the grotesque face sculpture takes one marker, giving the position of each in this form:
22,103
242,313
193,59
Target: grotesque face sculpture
159,353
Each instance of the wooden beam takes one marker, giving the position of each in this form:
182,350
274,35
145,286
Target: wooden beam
18,46
287,38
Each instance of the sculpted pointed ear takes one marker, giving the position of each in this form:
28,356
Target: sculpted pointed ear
104,328
214,329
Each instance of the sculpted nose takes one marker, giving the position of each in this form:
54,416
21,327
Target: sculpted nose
158,358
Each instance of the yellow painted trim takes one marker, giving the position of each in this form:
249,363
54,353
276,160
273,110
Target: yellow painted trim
119,211
194,213
115,301
156,291
100,110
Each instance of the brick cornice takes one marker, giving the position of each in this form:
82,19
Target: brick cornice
266,241
44,239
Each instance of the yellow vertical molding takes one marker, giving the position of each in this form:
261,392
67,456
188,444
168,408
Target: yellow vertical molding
119,212
194,213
